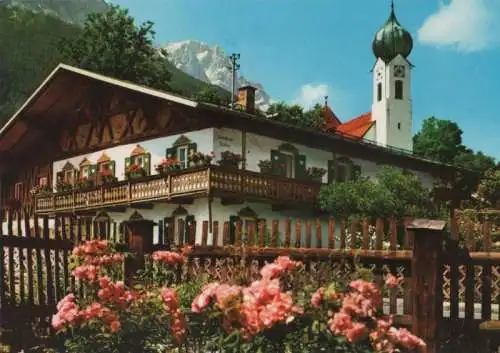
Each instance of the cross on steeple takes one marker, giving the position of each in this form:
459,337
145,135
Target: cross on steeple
392,6
326,100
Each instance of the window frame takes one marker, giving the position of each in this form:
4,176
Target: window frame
379,91
43,181
185,148
289,157
398,89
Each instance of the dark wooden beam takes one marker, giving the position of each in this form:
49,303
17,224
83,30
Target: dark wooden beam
143,206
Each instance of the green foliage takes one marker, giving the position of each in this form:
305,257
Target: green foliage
30,51
441,140
393,193
295,115
112,44
210,94
489,189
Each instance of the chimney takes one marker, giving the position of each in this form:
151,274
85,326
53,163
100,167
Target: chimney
246,98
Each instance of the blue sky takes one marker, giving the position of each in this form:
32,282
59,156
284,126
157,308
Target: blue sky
301,49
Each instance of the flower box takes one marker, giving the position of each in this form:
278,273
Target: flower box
168,165
198,160
62,186
135,171
84,184
315,174
266,166
230,160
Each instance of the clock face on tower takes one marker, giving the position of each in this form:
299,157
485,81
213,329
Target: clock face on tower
399,71
380,74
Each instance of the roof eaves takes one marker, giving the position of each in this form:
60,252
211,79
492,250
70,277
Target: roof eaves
366,143
106,79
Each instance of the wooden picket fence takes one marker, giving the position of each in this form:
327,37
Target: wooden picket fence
35,268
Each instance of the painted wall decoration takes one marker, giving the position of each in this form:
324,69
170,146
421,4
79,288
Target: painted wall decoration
138,165
317,165
106,169
115,158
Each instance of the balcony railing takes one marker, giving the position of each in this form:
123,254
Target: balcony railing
215,181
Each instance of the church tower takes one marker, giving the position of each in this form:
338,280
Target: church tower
392,105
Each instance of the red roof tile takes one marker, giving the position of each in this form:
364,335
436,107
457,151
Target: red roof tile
356,128
331,119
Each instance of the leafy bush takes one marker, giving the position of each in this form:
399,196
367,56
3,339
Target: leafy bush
393,193
269,315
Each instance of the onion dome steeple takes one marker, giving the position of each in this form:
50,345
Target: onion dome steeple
392,39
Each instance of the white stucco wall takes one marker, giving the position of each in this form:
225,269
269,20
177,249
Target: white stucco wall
393,116
259,148
157,147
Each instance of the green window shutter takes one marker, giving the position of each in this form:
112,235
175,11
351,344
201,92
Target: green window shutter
300,167
331,171
147,163
112,168
190,223
192,148
171,152
232,229
168,231
59,176
355,171
128,161
278,163
93,170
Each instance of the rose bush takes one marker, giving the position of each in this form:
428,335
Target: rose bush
268,315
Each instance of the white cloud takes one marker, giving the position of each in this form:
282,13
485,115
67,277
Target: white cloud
310,94
466,25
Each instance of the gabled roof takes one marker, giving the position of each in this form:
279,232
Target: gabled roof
58,99
331,119
64,89
356,128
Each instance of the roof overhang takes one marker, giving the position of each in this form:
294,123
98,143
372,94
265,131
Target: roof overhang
62,91
58,96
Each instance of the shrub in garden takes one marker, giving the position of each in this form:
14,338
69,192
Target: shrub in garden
268,315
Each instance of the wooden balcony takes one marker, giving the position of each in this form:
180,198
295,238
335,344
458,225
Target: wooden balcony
209,181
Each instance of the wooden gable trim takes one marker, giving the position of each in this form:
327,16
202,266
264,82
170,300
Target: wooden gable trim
182,140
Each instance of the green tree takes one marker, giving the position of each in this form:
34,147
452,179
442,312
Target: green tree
393,193
295,115
112,44
489,189
439,140
210,94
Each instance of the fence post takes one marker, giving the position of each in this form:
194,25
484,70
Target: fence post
426,279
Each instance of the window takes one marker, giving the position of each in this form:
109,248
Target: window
43,181
68,176
399,89
288,159
342,172
138,161
18,191
182,155
379,92
104,167
85,172
399,126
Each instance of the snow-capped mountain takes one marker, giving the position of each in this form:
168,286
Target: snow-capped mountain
210,64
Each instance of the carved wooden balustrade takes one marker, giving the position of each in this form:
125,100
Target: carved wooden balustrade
213,180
